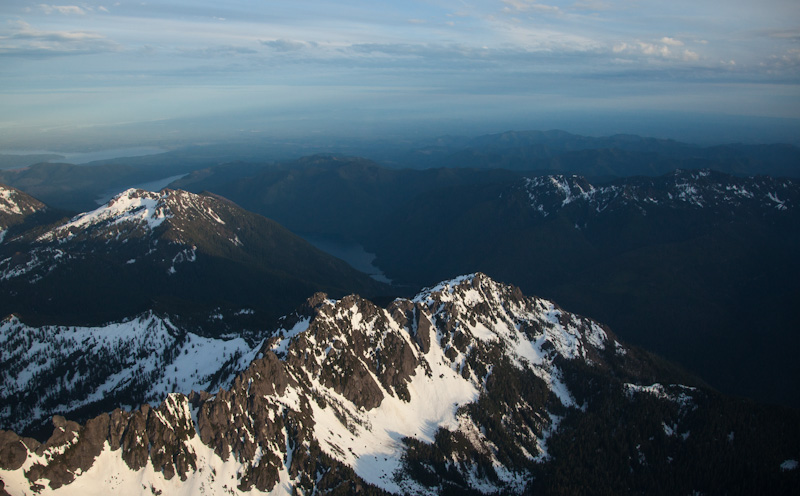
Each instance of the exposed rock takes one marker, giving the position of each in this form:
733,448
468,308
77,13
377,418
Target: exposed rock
14,450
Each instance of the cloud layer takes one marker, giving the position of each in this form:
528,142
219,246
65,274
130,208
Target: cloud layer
459,60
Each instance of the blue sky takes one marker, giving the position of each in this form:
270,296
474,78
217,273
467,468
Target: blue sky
186,68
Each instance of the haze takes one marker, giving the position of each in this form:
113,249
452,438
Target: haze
175,71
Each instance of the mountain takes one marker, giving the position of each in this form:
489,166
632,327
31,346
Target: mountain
20,212
78,187
618,155
329,194
468,388
173,252
687,265
15,207
635,252
11,161
82,372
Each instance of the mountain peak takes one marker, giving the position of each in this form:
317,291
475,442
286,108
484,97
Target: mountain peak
137,208
169,246
15,206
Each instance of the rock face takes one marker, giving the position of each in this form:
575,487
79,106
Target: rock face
462,388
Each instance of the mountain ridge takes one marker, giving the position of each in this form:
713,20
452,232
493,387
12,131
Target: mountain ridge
469,386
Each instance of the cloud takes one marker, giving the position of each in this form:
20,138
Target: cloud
666,48
788,61
592,5
222,51
671,41
782,34
282,45
62,9
529,5
24,40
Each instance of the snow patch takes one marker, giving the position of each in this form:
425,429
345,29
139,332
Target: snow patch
789,465
140,207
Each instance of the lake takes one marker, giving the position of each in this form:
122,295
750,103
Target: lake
349,251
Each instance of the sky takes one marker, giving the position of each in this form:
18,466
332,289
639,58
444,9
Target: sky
196,69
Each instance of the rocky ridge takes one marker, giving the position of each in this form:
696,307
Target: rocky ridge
470,388
81,371
346,385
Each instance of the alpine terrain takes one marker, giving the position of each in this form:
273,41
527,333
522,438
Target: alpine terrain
468,388
198,256
689,264
15,207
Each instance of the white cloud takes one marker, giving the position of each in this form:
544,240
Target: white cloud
26,41
671,41
281,45
665,48
529,5
592,5
62,9
690,56
652,49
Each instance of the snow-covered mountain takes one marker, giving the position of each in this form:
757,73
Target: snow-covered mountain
680,189
15,206
170,250
470,387
70,370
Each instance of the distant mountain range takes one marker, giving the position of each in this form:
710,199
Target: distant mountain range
618,155
468,388
76,187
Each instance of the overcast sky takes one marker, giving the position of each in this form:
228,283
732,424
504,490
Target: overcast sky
307,66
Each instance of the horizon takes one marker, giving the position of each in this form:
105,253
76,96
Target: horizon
115,75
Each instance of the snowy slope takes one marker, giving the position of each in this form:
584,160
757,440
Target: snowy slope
138,207
56,369
679,189
15,206
366,388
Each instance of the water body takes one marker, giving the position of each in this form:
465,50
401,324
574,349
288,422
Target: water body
349,251
156,185
86,157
